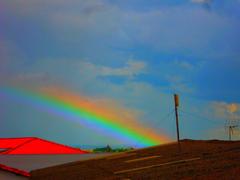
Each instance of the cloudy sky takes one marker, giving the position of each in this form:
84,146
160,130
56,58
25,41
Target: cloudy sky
134,53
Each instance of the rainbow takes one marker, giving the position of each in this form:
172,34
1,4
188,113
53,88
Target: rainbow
71,106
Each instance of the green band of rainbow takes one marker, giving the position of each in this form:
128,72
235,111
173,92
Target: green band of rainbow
69,111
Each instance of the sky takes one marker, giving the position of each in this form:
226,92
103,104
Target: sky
131,54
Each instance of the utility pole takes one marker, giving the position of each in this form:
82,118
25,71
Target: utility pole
176,100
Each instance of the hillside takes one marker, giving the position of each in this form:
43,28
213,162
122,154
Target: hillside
198,159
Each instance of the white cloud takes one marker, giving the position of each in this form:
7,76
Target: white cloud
178,84
188,66
96,20
201,1
184,64
227,111
166,30
131,69
153,102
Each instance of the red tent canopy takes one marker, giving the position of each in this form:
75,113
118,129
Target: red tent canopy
34,145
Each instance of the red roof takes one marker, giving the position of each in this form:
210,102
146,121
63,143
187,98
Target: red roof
34,145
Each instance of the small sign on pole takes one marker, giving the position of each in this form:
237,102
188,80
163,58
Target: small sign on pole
176,99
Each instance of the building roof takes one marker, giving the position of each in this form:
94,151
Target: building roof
23,164
19,156
34,145
197,159
14,170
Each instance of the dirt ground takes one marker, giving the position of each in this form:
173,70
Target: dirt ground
197,160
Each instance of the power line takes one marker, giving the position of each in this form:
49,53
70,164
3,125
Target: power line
230,125
162,119
198,116
168,115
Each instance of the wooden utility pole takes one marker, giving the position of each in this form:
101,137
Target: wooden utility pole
176,100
